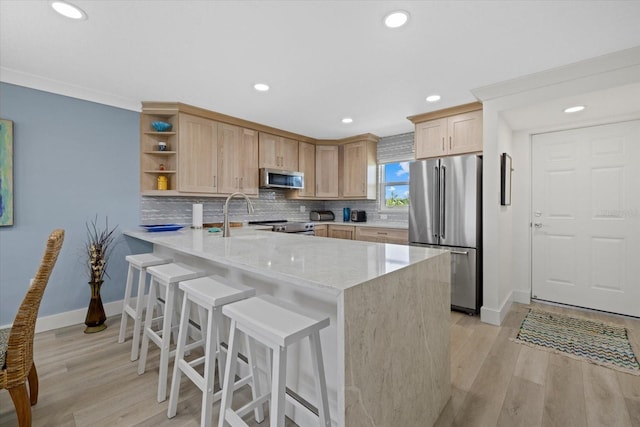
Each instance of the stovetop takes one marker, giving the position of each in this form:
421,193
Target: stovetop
284,226
268,222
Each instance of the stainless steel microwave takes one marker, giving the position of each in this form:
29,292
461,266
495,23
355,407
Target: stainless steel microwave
274,178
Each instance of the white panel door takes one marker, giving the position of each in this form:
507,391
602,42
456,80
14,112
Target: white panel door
586,217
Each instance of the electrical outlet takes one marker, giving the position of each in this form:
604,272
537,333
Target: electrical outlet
383,216
303,208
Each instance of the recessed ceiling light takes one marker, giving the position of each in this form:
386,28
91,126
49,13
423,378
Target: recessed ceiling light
68,10
261,87
433,98
347,120
574,109
396,19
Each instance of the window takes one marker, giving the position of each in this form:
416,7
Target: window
394,186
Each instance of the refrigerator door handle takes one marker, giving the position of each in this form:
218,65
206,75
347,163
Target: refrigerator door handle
435,219
460,253
443,207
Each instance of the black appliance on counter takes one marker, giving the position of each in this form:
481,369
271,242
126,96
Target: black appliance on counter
284,226
358,216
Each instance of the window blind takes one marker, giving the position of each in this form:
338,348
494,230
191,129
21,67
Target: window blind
396,148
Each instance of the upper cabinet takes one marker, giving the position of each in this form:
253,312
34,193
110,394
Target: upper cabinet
342,169
465,133
307,165
197,169
277,152
359,170
237,157
248,160
208,154
327,167
447,132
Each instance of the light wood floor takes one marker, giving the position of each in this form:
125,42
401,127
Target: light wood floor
88,380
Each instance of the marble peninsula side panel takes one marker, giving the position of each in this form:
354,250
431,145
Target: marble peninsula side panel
397,356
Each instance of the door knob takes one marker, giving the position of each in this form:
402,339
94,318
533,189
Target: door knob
537,224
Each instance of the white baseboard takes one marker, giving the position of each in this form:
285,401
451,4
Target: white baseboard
490,316
74,317
520,296
496,316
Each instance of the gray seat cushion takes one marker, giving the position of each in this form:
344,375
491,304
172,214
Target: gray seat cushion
4,343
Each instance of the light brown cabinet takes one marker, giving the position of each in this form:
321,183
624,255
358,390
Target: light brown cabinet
344,169
197,168
430,139
341,231
359,170
307,165
456,130
277,152
248,161
465,133
321,230
237,158
327,167
210,154
383,235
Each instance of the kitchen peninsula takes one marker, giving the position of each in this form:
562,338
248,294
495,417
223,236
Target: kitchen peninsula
386,351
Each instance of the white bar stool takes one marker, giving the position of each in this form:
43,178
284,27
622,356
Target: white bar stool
138,262
167,276
277,325
210,294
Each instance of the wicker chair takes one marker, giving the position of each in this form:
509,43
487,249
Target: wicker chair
16,352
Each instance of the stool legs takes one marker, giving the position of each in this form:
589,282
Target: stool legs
208,328
137,323
229,373
166,342
255,388
209,372
135,313
321,382
277,359
220,355
151,299
164,336
126,303
278,388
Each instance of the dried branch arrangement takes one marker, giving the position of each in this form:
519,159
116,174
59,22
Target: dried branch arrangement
99,247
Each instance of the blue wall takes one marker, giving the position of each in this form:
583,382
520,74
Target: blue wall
73,159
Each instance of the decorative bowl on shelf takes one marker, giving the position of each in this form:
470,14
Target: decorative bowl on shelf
161,126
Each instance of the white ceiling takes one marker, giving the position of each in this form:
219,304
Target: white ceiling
323,59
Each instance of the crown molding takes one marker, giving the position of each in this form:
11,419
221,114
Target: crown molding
32,81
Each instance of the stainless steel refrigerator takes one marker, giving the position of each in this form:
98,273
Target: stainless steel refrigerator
445,212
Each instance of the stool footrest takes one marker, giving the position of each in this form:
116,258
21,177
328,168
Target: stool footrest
190,372
241,412
233,419
130,311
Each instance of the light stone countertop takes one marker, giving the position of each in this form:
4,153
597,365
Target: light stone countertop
328,265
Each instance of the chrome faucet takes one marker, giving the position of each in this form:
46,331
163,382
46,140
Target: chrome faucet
225,227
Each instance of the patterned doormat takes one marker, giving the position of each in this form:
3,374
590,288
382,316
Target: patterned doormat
596,342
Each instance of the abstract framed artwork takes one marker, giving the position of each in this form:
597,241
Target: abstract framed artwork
6,172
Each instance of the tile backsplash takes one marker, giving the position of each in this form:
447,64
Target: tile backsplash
270,205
